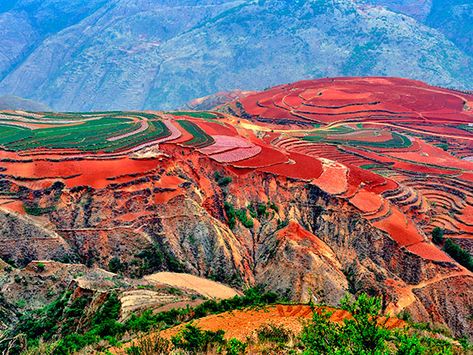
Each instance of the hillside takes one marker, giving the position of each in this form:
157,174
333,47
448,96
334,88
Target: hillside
453,18
118,54
312,189
17,103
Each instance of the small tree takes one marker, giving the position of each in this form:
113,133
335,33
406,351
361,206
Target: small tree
115,265
40,267
363,329
437,235
359,334
459,254
194,340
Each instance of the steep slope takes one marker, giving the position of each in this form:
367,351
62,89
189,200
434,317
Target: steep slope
160,55
417,9
114,51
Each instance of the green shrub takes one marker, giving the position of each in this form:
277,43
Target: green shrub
242,216
158,258
231,215
358,335
409,345
405,316
261,210
282,224
150,345
362,334
235,347
221,180
459,254
115,265
437,235
40,267
225,181
195,340
61,321
273,206
273,334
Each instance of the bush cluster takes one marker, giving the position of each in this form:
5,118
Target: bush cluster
61,322
453,249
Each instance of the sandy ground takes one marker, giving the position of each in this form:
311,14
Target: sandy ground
207,288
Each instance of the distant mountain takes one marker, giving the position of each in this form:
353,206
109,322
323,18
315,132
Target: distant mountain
9,102
212,101
122,54
454,18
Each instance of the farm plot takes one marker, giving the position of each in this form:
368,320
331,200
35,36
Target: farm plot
392,140
10,134
90,136
200,138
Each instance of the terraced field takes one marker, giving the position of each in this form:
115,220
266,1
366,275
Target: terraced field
398,152
375,142
414,137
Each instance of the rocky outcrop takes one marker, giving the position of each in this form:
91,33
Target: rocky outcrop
442,302
303,242
23,240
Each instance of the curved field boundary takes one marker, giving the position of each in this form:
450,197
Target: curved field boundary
200,140
10,134
99,135
143,127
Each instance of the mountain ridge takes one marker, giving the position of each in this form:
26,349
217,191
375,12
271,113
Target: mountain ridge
157,56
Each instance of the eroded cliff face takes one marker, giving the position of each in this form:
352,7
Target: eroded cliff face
302,242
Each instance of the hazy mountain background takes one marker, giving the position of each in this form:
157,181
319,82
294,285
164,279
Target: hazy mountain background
82,55
10,102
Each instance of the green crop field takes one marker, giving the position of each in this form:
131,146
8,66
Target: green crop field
90,135
200,140
194,114
9,134
397,140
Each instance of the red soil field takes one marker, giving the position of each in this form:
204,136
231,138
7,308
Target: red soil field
367,201
304,167
93,173
333,179
400,228
361,96
14,206
242,323
185,136
429,252
225,143
236,154
267,157
371,164
429,154
212,128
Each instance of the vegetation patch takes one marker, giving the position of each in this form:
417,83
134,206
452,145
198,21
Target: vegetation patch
91,135
195,114
200,140
453,249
